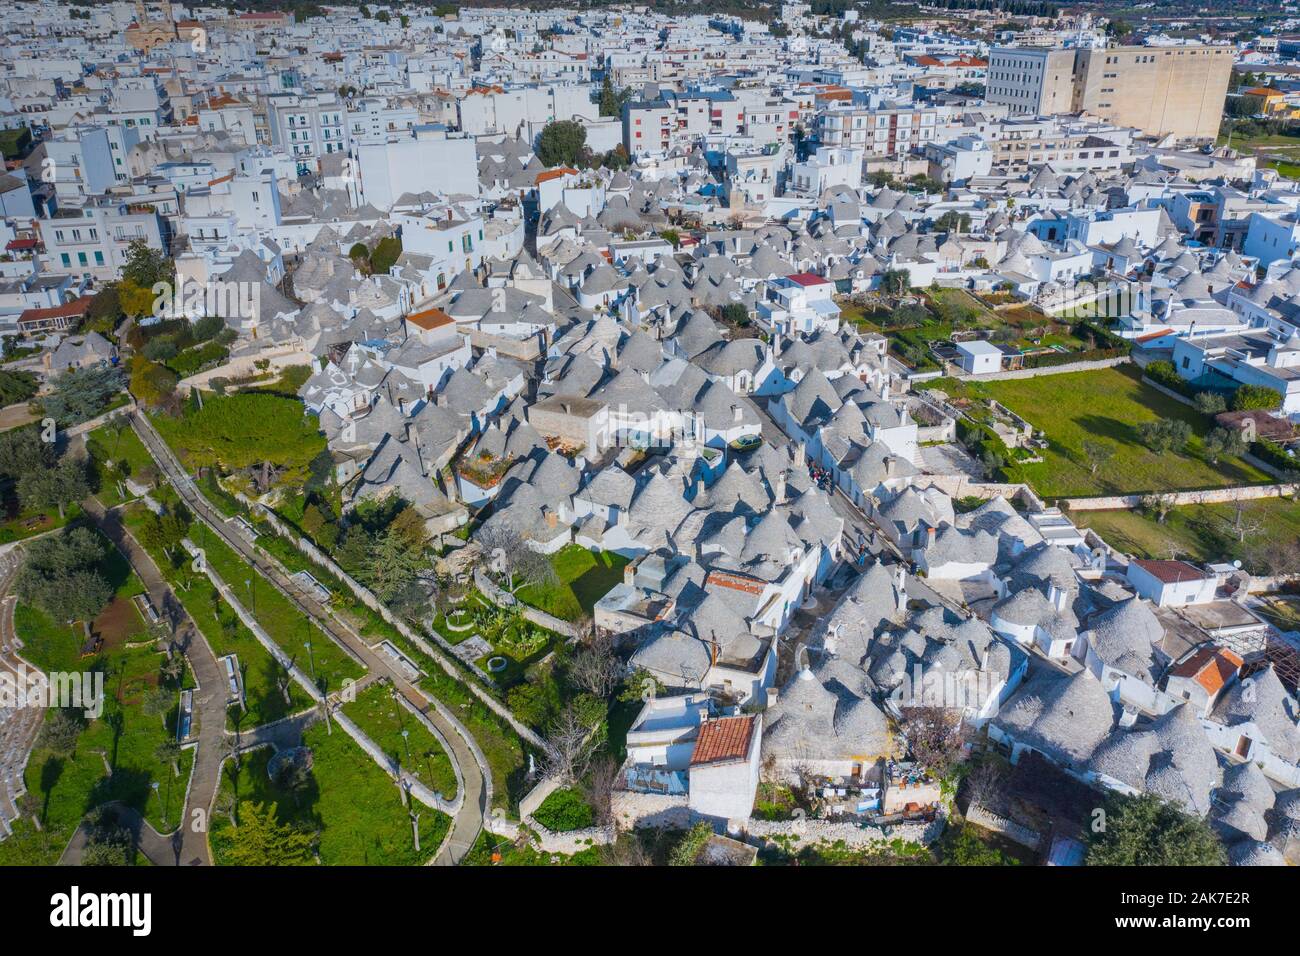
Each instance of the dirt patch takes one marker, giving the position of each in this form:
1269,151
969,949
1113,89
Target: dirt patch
119,623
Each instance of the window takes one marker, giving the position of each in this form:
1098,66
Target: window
66,260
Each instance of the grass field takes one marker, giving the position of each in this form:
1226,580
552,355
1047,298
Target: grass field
324,661
1198,532
383,720
584,578
114,757
1106,406
104,446
354,805
226,635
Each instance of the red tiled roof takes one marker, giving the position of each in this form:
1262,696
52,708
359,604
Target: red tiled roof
1211,667
430,319
807,279
734,582
77,307
726,738
1153,335
1168,572
548,174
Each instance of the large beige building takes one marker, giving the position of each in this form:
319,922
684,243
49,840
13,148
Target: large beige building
1159,90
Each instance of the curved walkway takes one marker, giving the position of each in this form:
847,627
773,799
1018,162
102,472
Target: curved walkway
466,824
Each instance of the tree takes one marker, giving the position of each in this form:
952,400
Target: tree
16,386
895,281
78,395
595,668
1097,453
1146,831
1209,403
61,575
561,143
60,731
1251,397
1166,434
1224,443
64,484
23,452
568,748
385,255
264,841
935,736
152,384
145,265
1157,506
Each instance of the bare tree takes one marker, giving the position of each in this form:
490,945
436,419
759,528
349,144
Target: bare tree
1244,525
567,749
507,554
984,784
1157,506
595,668
598,789
935,736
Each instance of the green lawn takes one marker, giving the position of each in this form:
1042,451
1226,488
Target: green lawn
492,850
584,578
383,720
104,446
325,662
1198,532
63,788
1106,405
354,805
226,635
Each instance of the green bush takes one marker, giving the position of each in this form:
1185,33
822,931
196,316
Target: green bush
565,810
1252,397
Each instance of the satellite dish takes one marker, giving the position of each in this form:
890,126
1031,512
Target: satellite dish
1237,564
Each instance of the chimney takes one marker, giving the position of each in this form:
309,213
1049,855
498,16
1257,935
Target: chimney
884,388
552,519
1058,596
776,344
900,588
737,413
890,462
800,453
780,488
930,532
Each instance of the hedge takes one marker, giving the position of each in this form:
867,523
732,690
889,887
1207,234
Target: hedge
1273,454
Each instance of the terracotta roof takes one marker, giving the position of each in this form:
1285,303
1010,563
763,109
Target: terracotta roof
1153,335
807,279
1168,572
549,174
726,738
430,319
1211,667
734,582
76,307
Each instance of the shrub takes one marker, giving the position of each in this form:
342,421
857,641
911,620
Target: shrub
1251,397
565,810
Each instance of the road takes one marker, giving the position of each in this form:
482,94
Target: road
468,821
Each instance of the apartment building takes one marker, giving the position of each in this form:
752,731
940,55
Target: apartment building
307,126
1161,91
92,241
878,132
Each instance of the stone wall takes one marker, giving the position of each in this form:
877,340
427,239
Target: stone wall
364,595
796,834
501,598
1046,370
1207,496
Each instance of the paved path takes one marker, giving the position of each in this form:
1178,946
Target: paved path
467,824
209,697
20,726
158,849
